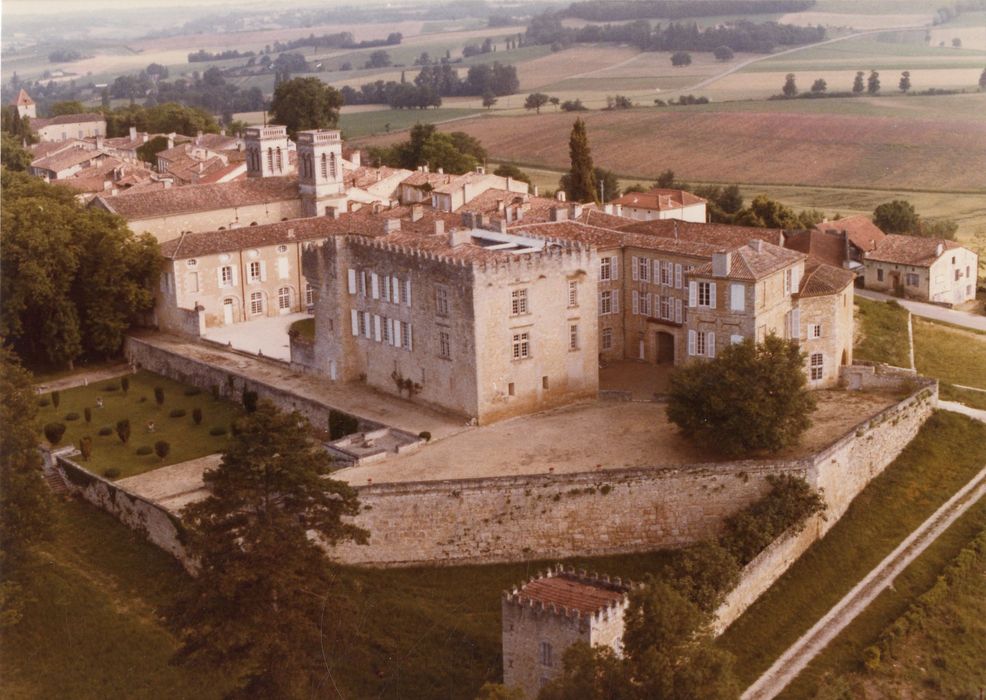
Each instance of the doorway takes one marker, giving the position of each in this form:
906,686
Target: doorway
665,348
228,311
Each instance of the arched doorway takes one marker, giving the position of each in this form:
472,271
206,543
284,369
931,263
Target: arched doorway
665,348
230,315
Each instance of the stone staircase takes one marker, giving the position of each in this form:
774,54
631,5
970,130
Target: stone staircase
56,482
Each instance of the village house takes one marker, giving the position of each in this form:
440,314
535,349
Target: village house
69,126
661,204
927,269
861,234
541,618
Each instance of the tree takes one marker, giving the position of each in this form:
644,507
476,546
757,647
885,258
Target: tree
751,398
905,81
873,83
305,103
25,500
378,59
66,107
897,216
665,180
582,179
535,101
262,594
857,83
12,154
768,213
681,58
85,447
513,172
573,106
54,432
489,99
956,43
123,430
723,53
607,184
497,691
555,101
162,448
790,89
819,86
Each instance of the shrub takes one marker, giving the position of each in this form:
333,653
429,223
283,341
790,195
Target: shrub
215,392
144,450
425,435
71,416
250,401
218,430
56,398
142,399
341,424
192,391
125,384
111,473
197,415
44,402
162,448
112,386
87,412
159,395
123,430
178,413
105,430
85,447
54,432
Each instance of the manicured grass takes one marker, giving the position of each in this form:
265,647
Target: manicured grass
951,354
973,399
187,440
359,124
881,333
947,452
964,648
91,630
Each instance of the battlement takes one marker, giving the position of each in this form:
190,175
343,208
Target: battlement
272,131
318,136
568,593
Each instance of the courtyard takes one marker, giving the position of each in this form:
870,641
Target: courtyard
264,336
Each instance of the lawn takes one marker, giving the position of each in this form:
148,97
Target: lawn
961,672
949,353
947,452
187,440
973,399
881,333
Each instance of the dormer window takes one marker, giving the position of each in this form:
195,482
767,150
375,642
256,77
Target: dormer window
282,248
192,262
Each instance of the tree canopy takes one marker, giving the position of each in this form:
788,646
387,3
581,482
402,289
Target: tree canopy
455,152
74,278
581,183
899,216
264,594
535,101
305,103
751,398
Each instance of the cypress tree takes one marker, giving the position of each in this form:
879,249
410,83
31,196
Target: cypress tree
582,180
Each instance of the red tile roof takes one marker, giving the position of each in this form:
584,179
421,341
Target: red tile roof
659,199
206,197
721,235
754,261
23,99
910,250
567,591
821,279
862,232
83,118
825,247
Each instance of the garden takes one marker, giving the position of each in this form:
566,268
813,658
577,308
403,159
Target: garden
135,423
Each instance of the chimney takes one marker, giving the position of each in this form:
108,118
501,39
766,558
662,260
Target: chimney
500,206
480,170
171,140
99,141
198,137
133,133
392,225
560,195
720,263
503,226
458,237
439,227
509,182
576,210
559,214
536,191
332,212
440,171
222,132
939,249
356,158
757,245
417,211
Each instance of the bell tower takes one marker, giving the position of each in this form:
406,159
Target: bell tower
320,175
267,151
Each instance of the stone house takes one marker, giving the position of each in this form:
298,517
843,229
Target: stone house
661,204
927,269
70,126
66,162
861,234
543,617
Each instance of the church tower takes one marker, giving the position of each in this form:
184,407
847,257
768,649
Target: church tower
25,105
267,151
320,174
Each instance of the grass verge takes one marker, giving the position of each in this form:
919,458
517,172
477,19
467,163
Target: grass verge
953,355
972,399
947,452
940,660
881,332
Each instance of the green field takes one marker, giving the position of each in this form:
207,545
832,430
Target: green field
358,124
951,354
187,440
948,451
881,333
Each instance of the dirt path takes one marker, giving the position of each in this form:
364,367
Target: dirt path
799,654
83,377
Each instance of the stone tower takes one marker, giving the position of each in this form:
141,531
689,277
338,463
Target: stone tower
267,151
25,105
320,175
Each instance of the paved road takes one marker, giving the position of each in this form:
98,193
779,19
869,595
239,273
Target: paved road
935,313
794,660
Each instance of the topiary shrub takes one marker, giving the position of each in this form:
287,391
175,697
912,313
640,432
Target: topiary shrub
54,432
197,415
162,448
111,473
85,448
144,450
125,384
44,402
250,401
425,435
178,413
192,391
56,398
87,412
105,430
159,395
71,416
218,430
123,430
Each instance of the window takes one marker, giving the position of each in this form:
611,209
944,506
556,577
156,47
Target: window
282,248
787,281
815,330
226,275
256,303
911,279
573,337
406,293
444,345
879,275
735,339
544,382
325,167
405,335
518,302
705,294
635,302
958,275
737,297
521,346
309,295
645,304
605,268
666,308
643,269
386,329
255,271
361,323
441,300
545,654
667,274
606,302
607,339
817,366
573,294
510,388
191,262
702,343
284,298
193,281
